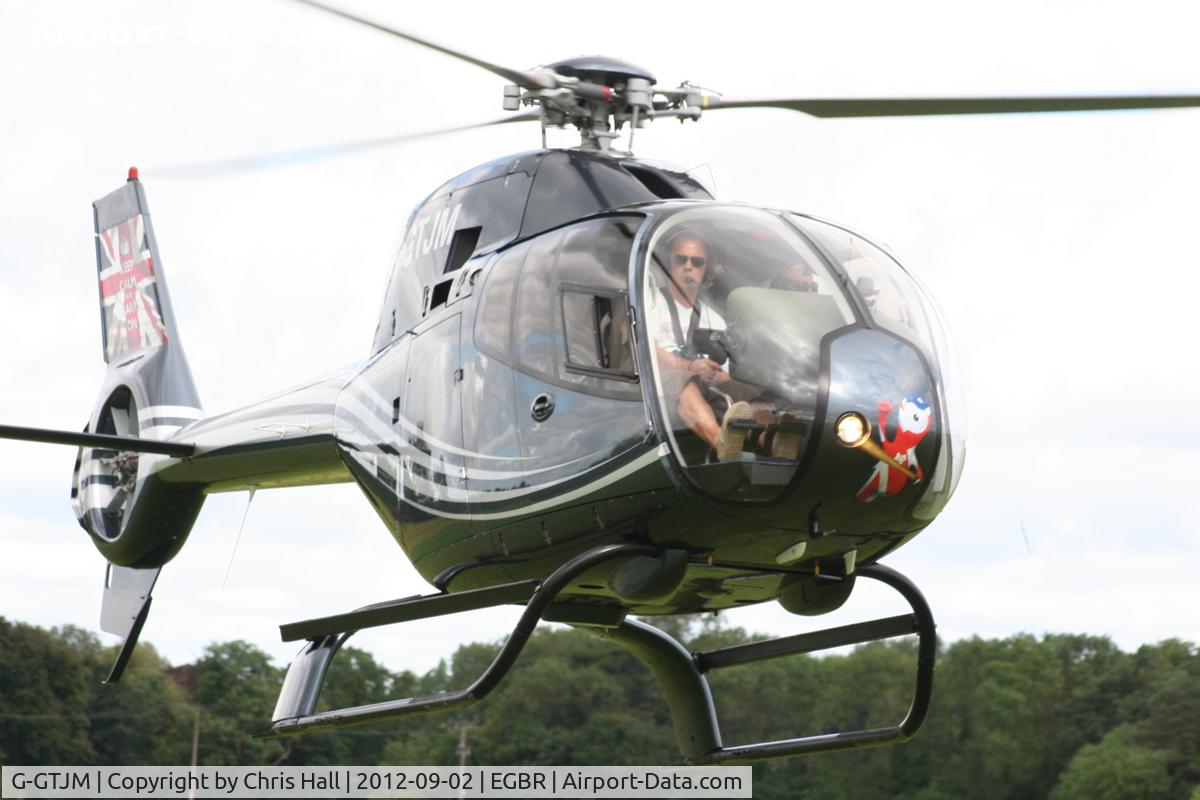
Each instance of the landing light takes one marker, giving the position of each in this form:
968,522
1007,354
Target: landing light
852,429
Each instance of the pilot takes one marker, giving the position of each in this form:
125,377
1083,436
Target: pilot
676,314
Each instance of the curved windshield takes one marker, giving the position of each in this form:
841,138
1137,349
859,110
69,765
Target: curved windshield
890,295
897,302
737,304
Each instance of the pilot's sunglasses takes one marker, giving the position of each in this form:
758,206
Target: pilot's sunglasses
699,262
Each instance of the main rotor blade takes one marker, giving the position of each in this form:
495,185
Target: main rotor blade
130,443
212,169
932,106
523,78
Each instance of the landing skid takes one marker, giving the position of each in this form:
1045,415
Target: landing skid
681,674
298,698
697,729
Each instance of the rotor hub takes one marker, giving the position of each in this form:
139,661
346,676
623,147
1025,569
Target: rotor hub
596,94
600,69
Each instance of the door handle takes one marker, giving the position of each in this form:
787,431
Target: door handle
542,408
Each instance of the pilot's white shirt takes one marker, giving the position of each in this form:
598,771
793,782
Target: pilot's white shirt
659,319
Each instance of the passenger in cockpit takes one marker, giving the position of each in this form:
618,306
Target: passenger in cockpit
869,291
797,277
677,316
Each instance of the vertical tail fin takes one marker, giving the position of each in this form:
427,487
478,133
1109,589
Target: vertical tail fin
137,521
148,392
137,320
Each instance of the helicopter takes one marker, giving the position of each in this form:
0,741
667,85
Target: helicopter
523,485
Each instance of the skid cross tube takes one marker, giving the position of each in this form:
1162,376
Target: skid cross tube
697,729
298,697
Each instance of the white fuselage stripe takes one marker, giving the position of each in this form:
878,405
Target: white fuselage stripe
382,410
181,412
641,461
364,416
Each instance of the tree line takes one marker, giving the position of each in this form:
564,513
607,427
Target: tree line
1062,716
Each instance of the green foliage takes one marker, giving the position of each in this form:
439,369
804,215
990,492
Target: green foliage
355,678
1170,726
236,689
146,718
571,702
44,693
1062,716
1115,769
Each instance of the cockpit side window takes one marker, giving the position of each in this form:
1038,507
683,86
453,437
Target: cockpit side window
572,311
596,323
493,319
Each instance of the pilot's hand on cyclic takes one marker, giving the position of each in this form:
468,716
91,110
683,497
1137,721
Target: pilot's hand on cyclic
707,369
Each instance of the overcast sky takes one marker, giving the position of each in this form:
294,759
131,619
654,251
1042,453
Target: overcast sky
1060,248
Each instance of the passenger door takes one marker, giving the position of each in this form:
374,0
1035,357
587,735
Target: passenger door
434,467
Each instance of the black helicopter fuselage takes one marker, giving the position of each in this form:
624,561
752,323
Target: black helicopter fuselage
524,400
593,390
498,431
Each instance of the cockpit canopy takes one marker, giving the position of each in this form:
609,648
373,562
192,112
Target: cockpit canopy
749,333
764,327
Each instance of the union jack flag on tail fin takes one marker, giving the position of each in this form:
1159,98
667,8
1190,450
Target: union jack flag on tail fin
137,324
129,303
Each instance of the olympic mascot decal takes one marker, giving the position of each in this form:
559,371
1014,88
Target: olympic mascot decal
912,424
